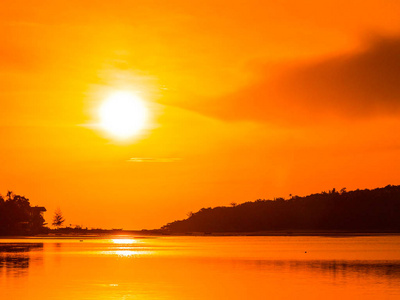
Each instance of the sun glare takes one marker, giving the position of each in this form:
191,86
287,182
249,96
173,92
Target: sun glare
123,115
124,241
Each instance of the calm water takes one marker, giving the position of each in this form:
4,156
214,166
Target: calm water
201,268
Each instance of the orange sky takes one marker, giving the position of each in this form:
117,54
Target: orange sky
248,100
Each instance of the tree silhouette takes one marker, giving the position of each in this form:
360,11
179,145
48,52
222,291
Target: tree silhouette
58,219
18,217
359,210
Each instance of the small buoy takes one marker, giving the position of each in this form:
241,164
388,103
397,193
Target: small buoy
305,251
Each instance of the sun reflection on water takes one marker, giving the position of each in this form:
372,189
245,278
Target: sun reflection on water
128,253
124,241
127,247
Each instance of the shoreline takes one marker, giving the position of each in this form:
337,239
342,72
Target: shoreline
148,233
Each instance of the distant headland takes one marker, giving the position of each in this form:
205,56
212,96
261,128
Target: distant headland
374,211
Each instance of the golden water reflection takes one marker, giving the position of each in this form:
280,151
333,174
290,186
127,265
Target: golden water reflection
124,241
202,268
128,253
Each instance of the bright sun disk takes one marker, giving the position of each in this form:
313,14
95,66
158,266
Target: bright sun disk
123,114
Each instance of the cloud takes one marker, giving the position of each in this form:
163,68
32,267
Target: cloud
152,160
350,85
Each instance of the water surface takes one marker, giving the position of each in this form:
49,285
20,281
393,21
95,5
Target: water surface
200,268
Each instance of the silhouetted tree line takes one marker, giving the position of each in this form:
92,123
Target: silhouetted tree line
364,210
18,217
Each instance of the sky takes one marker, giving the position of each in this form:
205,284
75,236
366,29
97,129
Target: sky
246,100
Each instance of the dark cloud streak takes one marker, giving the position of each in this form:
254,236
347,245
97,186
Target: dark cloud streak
353,85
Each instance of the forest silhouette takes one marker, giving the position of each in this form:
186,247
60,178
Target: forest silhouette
359,210
18,217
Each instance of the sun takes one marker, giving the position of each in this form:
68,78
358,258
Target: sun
123,115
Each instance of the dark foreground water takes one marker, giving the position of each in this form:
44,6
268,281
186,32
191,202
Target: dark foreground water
200,268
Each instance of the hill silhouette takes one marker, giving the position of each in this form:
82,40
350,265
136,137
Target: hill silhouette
359,210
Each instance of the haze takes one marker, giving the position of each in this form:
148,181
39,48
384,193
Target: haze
246,100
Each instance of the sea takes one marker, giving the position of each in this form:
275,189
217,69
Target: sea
200,267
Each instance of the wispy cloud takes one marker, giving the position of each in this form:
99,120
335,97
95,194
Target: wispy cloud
358,84
153,159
